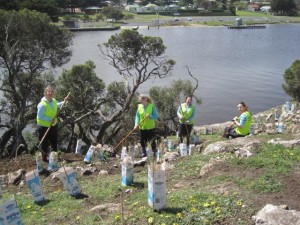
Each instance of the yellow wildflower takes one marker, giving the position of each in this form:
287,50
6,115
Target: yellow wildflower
150,220
239,203
213,203
179,215
206,204
193,209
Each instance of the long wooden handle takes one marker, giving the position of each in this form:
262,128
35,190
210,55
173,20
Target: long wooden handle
131,132
47,131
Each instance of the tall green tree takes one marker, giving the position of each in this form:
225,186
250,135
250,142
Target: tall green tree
9,4
284,7
292,81
87,95
137,59
29,45
112,13
49,6
97,114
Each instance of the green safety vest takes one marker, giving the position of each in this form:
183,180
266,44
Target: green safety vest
187,112
148,123
245,130
49,112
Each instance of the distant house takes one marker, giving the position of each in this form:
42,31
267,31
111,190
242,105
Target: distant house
75,10
132,8
92,10
172,7
150,8
265,8
253,7
70,24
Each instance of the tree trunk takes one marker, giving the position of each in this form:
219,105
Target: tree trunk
4,140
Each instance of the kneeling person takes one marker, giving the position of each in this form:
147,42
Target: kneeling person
240,125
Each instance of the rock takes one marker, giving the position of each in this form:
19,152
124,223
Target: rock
86,172
103,173
277,215
110,207
205,169
248,142
141,162
170,156
208,167
288,144
243,152
15,177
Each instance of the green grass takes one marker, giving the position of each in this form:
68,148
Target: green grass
275,158
194,203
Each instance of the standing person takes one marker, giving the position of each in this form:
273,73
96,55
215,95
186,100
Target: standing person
47,117
186,114
240,125
145,118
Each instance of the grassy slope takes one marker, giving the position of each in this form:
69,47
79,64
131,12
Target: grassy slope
190,199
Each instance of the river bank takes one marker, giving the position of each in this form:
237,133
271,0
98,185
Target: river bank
266,122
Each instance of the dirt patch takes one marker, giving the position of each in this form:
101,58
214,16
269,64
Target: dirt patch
28,163
289,195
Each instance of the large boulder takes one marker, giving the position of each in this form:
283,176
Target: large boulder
277,215
232,145
288,144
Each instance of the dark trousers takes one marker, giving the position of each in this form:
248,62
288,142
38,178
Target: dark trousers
51,138
230,132
148,136
184,130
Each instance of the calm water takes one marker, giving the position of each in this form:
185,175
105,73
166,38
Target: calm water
231,65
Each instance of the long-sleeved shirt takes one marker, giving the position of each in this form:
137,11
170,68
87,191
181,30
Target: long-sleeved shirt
243,119
41,109
179,111
153,115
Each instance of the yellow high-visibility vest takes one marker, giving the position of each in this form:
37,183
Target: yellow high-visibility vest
49,112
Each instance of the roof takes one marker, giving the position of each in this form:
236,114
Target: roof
93,7
254,6
151,5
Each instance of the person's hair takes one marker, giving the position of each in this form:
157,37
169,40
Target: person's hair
48,87
189,96
146,97
243,104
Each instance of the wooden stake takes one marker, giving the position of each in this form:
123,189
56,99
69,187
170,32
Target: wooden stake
122,207
131,131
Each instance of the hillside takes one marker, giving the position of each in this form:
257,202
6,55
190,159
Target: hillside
218,184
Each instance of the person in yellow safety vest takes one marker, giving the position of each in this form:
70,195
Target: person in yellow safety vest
186,115
145,118
47,117
241,125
